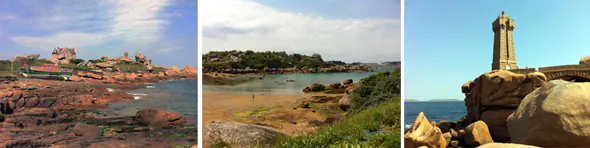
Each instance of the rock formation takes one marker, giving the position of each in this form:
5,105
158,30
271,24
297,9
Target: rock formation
585,60
238,134
157,116
24,58
142,59
126,58
494,95
556,115
62,55
422,133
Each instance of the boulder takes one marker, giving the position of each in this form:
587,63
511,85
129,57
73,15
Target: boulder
28,57
445,126
335,85
344,103
87,130
496,122
422,133
238,134
104,65
172,70
498,88
40,112
556,115
93,75
140,58
585,60
477,134
347,81
158,116
506,145
189,70
314,88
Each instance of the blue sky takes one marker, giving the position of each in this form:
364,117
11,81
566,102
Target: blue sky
345,30
163,30
448,43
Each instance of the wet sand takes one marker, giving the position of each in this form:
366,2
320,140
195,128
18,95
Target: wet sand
218,106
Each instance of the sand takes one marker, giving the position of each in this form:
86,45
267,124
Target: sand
219,106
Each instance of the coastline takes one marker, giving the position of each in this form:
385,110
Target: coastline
36,111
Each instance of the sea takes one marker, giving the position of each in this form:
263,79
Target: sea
434,111
176,96
277,83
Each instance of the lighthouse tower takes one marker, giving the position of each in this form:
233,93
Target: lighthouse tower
504,58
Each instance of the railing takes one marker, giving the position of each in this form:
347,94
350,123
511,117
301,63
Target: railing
564,68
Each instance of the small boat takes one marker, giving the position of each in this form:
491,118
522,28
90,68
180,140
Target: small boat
46,70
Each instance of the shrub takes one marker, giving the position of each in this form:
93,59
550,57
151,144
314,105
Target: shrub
96,61
375,89
377,126
76,61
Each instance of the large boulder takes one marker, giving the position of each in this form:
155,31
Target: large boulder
498,88
477,134
238,134
314,88
344,103
556,115
423,133
158,116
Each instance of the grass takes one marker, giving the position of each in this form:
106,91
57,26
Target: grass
131,67
377,126
254,112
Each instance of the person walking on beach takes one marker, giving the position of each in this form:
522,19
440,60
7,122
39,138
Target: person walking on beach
252,97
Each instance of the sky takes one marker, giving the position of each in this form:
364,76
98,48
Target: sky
344,30
448,43
163,30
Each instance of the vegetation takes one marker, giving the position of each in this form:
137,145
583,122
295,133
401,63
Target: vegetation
96,61
376,89
132,67
373,120
259,60
377,126
76,61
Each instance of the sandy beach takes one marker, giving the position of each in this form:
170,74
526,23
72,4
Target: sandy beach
219,106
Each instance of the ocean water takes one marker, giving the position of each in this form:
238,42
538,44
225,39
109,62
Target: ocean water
434,111
176,96
277,83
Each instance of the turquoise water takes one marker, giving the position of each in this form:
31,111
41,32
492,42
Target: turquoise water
277,83
176,96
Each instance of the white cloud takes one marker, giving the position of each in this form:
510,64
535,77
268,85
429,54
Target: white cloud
165,50
66,39
88,23
244,24
8,16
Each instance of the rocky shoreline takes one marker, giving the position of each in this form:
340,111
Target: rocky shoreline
333,69
506,109
51,113
44,113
